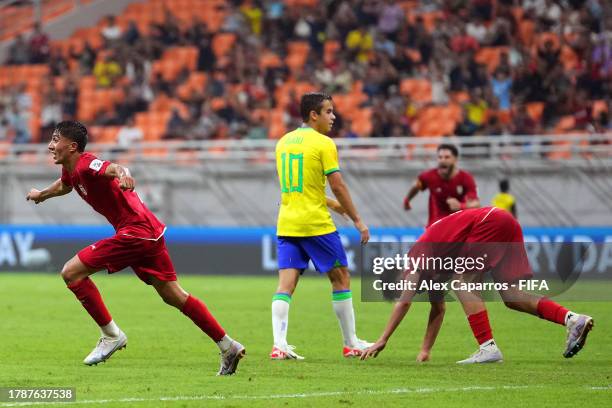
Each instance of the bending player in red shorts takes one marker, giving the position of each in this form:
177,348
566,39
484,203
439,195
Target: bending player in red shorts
138,243
468,233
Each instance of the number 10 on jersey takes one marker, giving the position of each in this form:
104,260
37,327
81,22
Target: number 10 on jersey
292,172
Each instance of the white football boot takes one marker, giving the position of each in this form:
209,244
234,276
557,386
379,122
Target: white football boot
578,327
105,348
487,353
230,358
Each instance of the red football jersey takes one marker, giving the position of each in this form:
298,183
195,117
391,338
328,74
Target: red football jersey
123,209
462,187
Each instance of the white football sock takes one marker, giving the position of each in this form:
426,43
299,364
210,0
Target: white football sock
280,318
110,330
225,343
343,306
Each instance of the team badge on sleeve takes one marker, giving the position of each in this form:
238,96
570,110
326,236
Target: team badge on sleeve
96,164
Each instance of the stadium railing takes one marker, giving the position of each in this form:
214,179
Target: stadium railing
484,149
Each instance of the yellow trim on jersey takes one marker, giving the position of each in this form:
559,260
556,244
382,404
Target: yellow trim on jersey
304,157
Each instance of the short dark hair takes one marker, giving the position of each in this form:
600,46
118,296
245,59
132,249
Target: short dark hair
504,185
312,102
75,131
447,146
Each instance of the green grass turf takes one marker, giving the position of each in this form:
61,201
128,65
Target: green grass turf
45,334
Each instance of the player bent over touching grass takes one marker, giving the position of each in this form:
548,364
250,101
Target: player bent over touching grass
305,158
138,243
508,263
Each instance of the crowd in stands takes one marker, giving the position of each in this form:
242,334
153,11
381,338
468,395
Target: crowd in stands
394,68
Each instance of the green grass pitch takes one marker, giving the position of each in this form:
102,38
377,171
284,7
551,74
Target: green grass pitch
45,334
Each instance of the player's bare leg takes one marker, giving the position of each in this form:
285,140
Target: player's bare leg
174,295
478,318
76,275
342,301
287,282
578,326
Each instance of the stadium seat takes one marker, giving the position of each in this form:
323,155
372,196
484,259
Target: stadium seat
418,89
222,43
534,110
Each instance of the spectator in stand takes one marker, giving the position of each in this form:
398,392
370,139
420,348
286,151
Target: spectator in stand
18,52
111,33
177,126
476,109
581,109
39,46
6,132
390,19
477,30
132,34
501,85
463,42
522,123
359,43
107,70
253,14
206,57
51,113
439,86
129,134
18,121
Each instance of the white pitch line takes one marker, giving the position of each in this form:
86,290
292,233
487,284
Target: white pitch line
287,396
266,397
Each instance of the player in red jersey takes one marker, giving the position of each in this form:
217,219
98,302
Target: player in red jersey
138,243
450,188
463,234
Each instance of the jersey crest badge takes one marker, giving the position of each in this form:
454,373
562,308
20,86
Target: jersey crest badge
96,164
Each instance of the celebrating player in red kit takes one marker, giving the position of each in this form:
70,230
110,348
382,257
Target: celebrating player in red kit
138,243
450,188
463,235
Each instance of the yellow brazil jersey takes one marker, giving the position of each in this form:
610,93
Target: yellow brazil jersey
504,201
304,158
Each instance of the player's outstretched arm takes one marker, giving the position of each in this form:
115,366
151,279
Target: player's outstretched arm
126,181
54,190
436,317
340,190
456,205
397,315
414,190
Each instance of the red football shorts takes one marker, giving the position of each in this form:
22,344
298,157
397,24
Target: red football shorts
500,236
147,258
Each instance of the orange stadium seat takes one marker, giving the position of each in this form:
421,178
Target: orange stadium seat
330,51
599,106
418,89
222,43
269,60
297,55
534,110
362,122
490,56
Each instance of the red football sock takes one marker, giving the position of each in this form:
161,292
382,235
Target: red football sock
551,311
87,292
479,322
197,311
